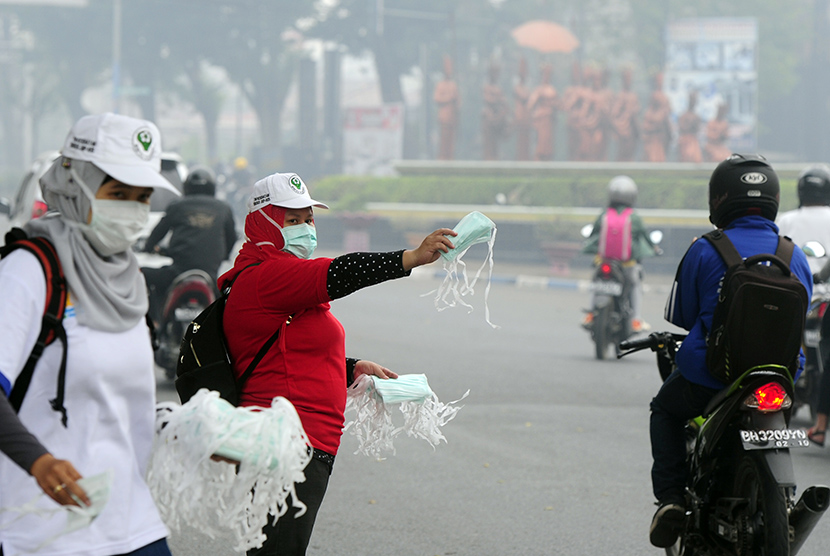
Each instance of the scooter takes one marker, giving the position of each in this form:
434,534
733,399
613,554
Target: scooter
740,497
189,294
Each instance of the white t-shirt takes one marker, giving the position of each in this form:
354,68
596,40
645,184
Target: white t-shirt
807,224
110,402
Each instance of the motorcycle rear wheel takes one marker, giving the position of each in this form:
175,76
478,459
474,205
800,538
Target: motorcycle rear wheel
602,330
766,512
680,548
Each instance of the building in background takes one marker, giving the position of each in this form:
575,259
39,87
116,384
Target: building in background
718,59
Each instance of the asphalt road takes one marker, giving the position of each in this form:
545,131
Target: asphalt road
549,455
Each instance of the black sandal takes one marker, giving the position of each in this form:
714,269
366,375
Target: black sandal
816,436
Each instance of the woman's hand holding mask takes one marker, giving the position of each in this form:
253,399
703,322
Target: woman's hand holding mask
370,368
430,249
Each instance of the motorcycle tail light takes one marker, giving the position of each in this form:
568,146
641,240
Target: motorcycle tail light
822,308
768,398
38,209
605,268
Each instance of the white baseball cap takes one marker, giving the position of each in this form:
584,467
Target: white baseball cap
127,149
282,190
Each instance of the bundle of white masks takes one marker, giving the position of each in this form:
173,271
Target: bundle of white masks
472,229
371,399
97,488
215,496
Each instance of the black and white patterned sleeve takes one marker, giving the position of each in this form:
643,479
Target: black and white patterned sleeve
353,271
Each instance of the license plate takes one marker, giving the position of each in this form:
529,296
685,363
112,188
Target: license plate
774,438
186,314
607,287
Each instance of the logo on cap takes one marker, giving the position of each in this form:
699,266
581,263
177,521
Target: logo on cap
296,182
754,178
142,143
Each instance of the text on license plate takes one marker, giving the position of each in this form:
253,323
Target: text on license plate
186,314
607,288
774,438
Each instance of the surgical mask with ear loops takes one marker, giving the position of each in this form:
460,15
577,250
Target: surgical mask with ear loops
115,224
97,488
474,228
300,240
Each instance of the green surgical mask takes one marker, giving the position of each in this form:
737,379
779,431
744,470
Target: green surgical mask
300,240
405,388
473,228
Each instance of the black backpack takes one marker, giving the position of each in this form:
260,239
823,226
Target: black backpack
204,361
759,318
51,327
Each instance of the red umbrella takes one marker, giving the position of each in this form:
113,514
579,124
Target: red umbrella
545,36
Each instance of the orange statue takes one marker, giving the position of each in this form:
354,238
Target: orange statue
688,128
717,135
625,110
543,103
494,119
446,97
593,144
521,114
656,126
573,104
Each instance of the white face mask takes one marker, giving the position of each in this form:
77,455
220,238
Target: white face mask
115,225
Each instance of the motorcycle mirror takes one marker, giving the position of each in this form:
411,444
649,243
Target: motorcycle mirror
656,236
814,249
586,230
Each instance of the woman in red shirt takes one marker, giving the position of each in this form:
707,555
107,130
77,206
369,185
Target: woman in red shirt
276,285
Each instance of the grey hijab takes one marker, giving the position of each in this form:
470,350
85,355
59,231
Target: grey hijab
108,293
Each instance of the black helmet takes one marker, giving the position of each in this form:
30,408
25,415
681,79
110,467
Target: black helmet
742,184
814,186
200,181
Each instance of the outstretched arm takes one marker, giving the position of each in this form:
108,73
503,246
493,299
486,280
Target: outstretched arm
353,271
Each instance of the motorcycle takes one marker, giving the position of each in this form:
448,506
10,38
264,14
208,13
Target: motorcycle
740,496
611,305
816,340
189,294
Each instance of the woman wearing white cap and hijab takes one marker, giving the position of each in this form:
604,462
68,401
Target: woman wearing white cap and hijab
98,193
277,285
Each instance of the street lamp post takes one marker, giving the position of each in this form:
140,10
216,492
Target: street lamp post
116,55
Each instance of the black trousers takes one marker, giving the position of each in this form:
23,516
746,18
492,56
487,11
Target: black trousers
677,401
290,535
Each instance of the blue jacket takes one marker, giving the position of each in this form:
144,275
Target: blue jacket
694,294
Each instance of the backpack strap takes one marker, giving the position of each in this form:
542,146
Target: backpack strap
264,349
785,249
52,322
725,248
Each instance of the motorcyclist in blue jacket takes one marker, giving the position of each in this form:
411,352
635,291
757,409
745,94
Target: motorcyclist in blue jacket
743,201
